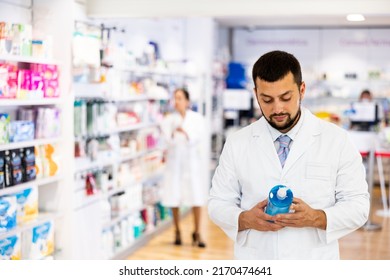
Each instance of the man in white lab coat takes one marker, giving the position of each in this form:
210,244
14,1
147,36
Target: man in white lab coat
323,169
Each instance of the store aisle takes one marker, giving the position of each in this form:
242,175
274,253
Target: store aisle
360,245
161,248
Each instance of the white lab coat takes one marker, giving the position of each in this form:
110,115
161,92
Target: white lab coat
323,168
184,182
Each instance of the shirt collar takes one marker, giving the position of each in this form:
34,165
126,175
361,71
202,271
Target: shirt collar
292,133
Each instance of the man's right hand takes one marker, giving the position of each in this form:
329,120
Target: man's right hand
257,219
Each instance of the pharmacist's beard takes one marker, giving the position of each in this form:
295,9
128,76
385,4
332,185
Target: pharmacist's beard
290,123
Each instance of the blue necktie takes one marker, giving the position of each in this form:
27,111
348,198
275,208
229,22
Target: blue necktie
283,150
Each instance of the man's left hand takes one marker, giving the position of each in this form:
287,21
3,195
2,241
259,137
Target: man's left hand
303,216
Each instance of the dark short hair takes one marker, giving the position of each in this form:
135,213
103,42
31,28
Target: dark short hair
274,66
186,93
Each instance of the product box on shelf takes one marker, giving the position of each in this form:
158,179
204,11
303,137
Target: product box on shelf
4,128
3,82
8,209
2,170
13,171
45,161
38,242
49,74
5,37
22,36
29,164
21,131
8,80
7,168
10,248
27,204
16,165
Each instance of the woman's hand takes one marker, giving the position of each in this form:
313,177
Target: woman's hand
181,130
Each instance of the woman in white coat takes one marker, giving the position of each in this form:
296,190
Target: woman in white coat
183,180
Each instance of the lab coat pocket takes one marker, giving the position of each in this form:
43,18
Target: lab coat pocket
318,191
318,171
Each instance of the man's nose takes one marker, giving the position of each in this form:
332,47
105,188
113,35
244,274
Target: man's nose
278,107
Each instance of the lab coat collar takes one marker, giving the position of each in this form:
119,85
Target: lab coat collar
311,127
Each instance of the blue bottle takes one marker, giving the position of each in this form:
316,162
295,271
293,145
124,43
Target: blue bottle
279,200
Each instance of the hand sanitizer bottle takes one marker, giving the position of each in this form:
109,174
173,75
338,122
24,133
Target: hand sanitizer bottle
279,200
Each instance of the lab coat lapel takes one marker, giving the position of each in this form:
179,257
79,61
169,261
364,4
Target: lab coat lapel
265,144
305,138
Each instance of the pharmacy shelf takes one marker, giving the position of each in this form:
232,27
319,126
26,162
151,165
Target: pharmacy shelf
134,127
142,241
154,72
35,142
117,130
156,176
42,218
28,59
142,153
30,102
124,215
88,200
145,238
82,165
38,182
101,91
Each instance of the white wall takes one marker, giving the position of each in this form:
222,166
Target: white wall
333,52
16,11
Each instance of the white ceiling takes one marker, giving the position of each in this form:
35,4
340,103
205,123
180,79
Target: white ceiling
249,13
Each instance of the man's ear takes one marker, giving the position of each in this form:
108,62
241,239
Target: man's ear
302,90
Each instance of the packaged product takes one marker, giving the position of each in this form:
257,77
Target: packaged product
27,204
21,131
7,168
29,164
10,248
16,166
8,208
4,128
39,241
2,166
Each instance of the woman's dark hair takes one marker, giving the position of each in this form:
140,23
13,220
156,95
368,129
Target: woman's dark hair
186,93
275,65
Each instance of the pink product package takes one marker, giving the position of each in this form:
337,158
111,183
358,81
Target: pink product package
37,85
49,74
8,80
51,88
24,83
3,82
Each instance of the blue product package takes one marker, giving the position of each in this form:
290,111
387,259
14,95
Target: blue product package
17,156
7,213
21,131
10,248
279,200
2,166
29,164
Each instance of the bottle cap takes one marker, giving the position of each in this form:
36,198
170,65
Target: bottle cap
282,193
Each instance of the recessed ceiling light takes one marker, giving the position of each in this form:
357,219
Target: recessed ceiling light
355,17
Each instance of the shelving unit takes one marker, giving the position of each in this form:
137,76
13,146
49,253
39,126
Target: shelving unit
11,105
49,20
38,182
104,93
31,102
27,59
40,219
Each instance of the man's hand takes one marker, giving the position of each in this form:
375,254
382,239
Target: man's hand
303,216
257,219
